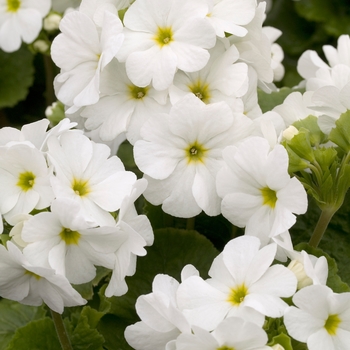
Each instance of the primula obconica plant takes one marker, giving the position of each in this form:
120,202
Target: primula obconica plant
159,205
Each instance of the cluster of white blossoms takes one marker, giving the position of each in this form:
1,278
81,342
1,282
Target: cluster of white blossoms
58,191
178,79
228,310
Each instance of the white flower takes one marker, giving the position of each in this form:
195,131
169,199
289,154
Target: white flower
64,240
320,318
123,106
25,282
257,190
222,79
85,172
82,51
21,20
137,231
161,319
163,35
229,16
25,180
242,284
181,154
232,333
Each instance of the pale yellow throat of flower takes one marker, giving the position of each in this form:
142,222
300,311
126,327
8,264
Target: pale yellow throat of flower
70,237
269,197
238,294
26,181
201,90
81,187
164,36
13,5
332,324
195,152
137,93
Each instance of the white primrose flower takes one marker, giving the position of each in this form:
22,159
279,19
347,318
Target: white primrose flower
257,191
163,35
330,102
85,173
242,284
161,319
21,20
123,107
180,154
231,333
310,62
230,15
222,79
138,233
23,281
82,51
24,180
308,268
320,318
64,240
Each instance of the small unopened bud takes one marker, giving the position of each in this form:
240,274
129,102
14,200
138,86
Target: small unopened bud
52,22
55,112
290,132
41,46
298,268
277,347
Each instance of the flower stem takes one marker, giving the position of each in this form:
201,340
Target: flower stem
49,77
190,223
61,331
321,226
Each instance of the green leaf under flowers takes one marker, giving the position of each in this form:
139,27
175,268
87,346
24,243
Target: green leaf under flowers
340,135
82,329
316,136
38,335
13,316
333,280
268,101
295,162
282,339
16,76
301,145
112,328
171,251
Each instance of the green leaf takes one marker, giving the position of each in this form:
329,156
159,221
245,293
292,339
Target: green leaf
16,76
333,280
172,250
282,339
310,123
82,329
315,10
14,315
38,335
340,135
112,328
268,101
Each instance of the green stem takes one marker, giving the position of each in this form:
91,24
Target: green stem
61,331
321,226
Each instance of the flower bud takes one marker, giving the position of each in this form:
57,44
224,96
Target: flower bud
298,268
277,347
290,132
52,21
41,46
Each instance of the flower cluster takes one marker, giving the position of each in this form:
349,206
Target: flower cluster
58,190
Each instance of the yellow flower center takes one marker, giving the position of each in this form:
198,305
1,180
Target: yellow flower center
332,324
238,294
26,181
195,152
13,5
269,196
224,347
32,274
201,90
137,93
69,236
164,36
81,187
